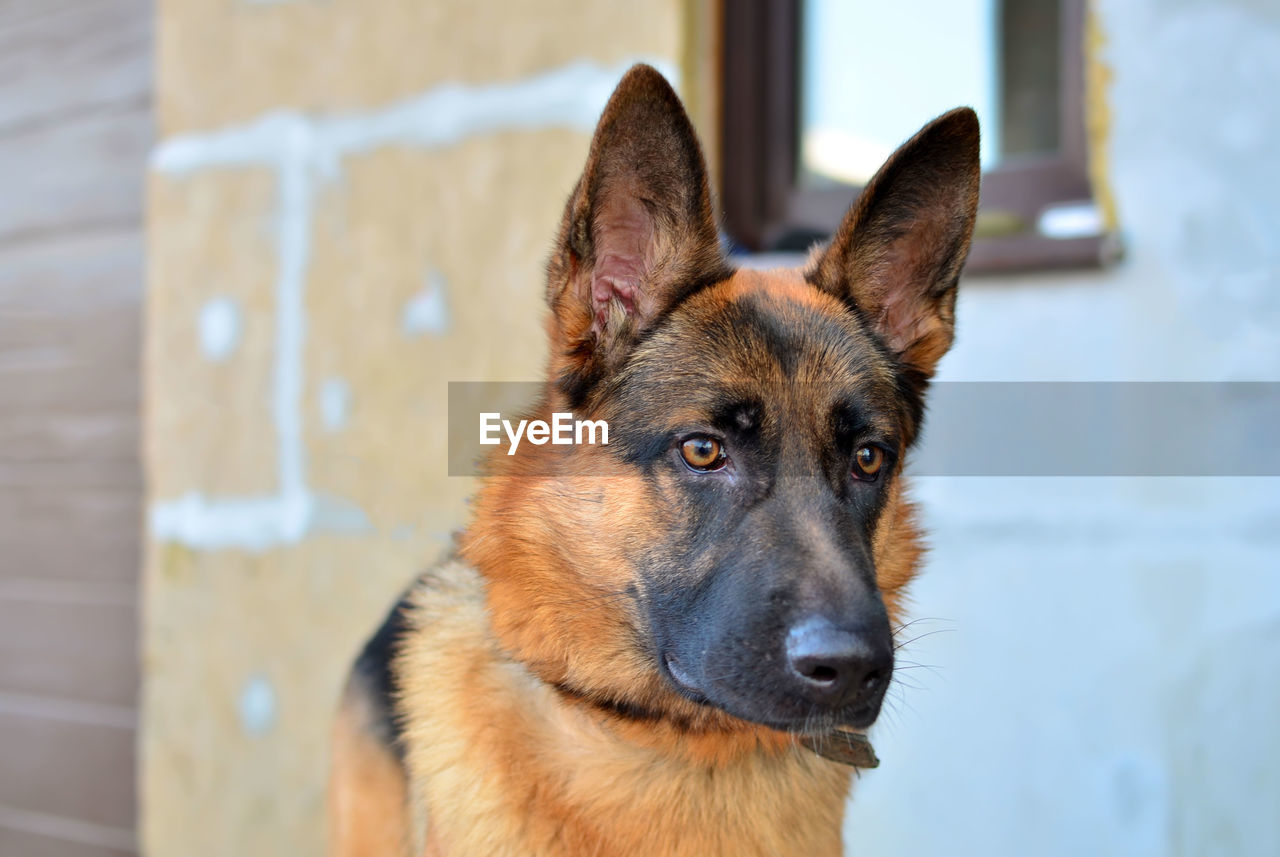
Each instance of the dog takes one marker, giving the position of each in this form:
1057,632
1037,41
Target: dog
670,644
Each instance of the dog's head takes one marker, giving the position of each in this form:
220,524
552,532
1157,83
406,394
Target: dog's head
735,555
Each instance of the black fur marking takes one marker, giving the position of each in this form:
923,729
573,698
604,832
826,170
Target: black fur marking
579,384
373,666
848,425
618,707
912,385
681,294
752,318
621,707
640,447
738,416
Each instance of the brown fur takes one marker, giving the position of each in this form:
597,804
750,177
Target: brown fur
368,799
507,766
534,720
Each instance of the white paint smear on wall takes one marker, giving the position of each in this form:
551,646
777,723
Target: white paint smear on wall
257,706
219,326
568,97
427,312
303,150
335,404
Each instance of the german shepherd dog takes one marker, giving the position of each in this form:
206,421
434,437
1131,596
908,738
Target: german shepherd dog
650,647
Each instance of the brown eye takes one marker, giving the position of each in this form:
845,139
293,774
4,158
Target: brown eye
703,453
869,460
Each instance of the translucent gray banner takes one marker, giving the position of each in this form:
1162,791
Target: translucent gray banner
990,429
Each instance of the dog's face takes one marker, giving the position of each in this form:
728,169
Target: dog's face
739,546
768,426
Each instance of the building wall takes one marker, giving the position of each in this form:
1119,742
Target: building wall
1104,676
75,128
350,205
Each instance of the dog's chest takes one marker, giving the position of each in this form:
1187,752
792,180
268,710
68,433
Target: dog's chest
499,765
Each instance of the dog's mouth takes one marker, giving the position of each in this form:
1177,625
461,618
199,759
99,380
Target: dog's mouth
682,681
679,678
837,742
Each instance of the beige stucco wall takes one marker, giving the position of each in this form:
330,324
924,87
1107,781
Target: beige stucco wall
1107,743
334,235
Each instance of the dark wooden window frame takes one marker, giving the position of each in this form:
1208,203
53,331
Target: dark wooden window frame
766,209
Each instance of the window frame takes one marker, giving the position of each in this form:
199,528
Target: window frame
759,145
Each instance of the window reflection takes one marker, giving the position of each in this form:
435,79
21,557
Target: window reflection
873,72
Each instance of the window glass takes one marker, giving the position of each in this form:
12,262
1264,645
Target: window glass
872,72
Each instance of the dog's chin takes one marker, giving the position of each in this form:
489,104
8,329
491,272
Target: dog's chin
683,683
788,716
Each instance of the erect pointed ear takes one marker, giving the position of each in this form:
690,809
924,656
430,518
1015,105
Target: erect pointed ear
898,253
638,231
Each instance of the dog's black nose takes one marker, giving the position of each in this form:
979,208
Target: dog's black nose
838,667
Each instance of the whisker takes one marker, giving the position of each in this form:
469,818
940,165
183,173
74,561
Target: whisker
922,636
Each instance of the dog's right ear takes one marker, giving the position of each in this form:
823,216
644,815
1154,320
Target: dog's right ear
897,255
638,232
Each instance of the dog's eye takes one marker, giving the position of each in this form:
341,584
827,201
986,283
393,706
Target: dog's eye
703,453
867,462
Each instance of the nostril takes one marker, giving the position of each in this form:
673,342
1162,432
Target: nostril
836,666
820,673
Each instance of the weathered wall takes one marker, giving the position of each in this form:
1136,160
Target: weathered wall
350,206
335,235
1106,680
75,129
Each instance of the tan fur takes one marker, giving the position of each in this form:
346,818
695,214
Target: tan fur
564,623
505,766
518,644
500,763
368,799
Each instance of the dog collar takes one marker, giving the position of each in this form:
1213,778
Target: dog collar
844,746
838,744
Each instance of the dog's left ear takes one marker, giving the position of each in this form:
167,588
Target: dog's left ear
898,253
638,231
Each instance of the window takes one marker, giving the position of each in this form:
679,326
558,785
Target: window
818,93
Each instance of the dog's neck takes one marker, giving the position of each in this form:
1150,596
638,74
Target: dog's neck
497,748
